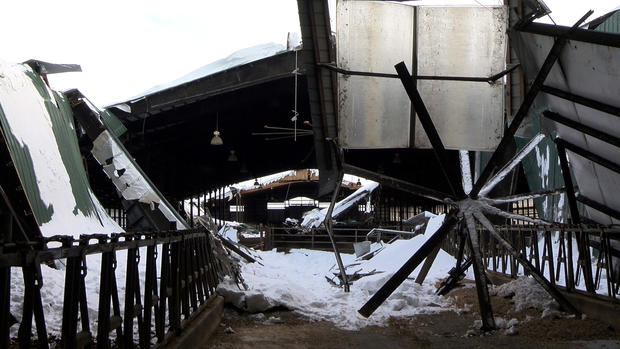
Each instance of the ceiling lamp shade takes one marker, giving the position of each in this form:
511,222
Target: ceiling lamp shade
232,157
216,140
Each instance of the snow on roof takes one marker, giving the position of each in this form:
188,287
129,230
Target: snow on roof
41,138
237,58
314,218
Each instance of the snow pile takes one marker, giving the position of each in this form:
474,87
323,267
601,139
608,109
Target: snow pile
297,280
394,255
229,231
314,218
526,293
509,326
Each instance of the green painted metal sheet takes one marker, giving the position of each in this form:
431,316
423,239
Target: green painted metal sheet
50,117
112,123
542,171
20,155
611,24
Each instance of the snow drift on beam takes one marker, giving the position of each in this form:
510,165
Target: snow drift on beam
37,126
314,218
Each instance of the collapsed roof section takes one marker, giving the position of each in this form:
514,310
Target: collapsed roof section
146,207
169,129
580,96
38,129
314,218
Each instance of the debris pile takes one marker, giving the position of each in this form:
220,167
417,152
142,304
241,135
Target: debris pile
297,280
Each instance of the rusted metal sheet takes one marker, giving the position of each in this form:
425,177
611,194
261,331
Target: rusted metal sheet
373,37
462,41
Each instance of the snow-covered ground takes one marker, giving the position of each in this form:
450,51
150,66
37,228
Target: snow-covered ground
297,280
52,291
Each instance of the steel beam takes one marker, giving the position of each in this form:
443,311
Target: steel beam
427,123
598,206
401,275
105,296
489,79
329,228
71,300
591,36
584,253
605,137
588,155
590,103
484,301
521,197
553,55
399,184
551,290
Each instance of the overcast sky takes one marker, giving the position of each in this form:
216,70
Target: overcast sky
126,47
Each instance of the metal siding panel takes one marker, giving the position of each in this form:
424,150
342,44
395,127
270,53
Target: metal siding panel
611,25
591,71
373,112
65,182
462,41
20,155
112,123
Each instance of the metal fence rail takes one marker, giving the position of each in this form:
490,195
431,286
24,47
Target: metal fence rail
187,275
316,238
555,252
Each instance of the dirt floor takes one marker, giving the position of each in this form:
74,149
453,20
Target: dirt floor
443,330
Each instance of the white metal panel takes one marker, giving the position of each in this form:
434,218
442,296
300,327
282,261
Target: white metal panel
373,36
590,71
462,41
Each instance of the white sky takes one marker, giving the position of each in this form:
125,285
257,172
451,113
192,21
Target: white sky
126,47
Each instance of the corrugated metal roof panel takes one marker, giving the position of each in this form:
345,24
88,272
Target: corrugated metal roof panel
590,70
112,123
611,24
37,125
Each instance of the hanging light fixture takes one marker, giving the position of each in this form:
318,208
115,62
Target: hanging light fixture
359,183
256,184
217,140
232,157
396,160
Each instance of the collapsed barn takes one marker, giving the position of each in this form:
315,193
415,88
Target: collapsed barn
509,128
